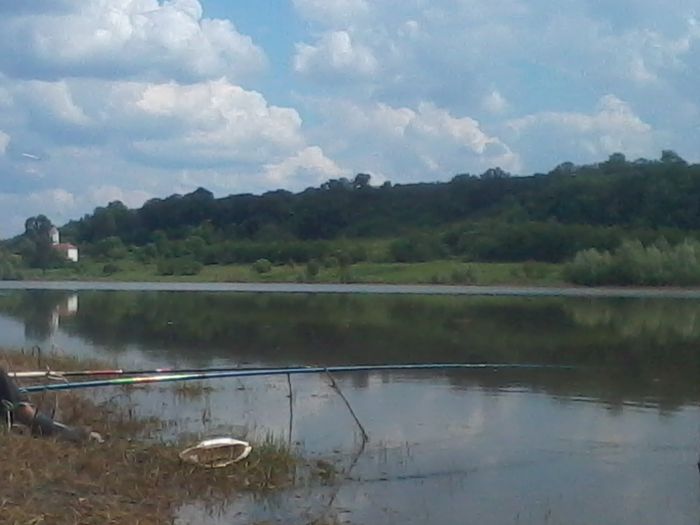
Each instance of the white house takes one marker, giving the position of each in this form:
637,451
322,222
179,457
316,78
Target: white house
68,250
54,235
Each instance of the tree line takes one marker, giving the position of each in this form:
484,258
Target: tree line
488,217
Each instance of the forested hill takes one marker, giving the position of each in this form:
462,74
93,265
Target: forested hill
641,194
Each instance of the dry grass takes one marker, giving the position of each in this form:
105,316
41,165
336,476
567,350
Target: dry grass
36,359
192,389
127,480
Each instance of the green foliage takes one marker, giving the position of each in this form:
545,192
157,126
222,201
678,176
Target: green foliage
633,263
464,275
35,245
109,248
640,194
548,242
262,266
110,269
312,269
178,266
416,248
9,267
36,228
345,273
491,217
146,254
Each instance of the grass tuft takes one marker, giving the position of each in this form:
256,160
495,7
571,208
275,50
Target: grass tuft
127,480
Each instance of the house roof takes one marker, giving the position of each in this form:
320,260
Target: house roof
65,246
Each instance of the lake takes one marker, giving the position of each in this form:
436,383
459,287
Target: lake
614,440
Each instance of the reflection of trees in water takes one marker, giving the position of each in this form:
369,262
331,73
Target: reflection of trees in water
663,321
37,309
669,389
323,329
638,348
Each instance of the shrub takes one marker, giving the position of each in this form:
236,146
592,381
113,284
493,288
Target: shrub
527,241
635,264
8,272
417,248
178,266
312,269
464,275
187,266
262,266
330,262
110,268
437,279
345,274
165,267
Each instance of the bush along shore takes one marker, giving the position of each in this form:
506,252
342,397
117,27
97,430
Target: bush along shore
656,264
132,478
429,272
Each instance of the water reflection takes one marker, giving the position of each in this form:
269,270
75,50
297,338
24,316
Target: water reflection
618,436
42,312
630,350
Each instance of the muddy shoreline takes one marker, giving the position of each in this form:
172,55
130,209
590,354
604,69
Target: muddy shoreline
382,289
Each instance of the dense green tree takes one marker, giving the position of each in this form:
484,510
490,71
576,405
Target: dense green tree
36,246
494,216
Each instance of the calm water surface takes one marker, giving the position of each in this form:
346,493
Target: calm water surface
615,441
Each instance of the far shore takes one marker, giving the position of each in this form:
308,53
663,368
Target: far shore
320,288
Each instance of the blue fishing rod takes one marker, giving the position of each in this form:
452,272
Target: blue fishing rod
263,372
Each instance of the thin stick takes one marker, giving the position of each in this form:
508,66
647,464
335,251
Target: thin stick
291,410
38,356
335,387
346,474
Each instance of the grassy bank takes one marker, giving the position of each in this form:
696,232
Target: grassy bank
433,272
132,478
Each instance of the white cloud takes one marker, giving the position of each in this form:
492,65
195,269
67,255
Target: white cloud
4,142
332,12
152,139
419,143
187,125
427,121
56,203
56,199
452,52
335,55
612,127
438,123
219,122
494,102
133,38
54,100
147,97
104,194
648,56
309,166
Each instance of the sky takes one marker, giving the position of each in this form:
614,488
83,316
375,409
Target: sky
104,100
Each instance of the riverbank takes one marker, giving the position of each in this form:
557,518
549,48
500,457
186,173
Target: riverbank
132,478
382,289
433,272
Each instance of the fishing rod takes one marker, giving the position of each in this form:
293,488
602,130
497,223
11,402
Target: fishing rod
170,377
60,374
